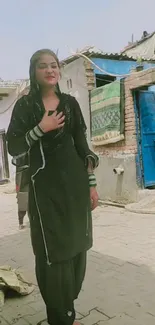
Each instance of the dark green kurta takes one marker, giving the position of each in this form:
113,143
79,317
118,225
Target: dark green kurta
59,201
59,198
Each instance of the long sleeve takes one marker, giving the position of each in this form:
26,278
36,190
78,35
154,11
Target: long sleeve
16,134
21,134
79,135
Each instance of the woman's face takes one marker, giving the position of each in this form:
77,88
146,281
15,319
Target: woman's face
47,71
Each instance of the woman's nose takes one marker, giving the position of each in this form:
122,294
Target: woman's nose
49,69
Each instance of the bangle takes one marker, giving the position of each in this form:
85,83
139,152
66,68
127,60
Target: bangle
33,135
92,180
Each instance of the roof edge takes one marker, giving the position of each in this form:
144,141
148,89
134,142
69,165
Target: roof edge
115,56
133,45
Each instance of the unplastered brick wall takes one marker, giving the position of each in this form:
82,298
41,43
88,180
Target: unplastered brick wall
135,81
89,72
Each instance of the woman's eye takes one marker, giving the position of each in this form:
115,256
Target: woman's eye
53,66
42,66
45,66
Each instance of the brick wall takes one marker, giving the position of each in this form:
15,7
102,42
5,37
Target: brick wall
129,145
89,72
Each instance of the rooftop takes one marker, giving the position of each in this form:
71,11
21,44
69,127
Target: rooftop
10,84
91,51
7,86
145,47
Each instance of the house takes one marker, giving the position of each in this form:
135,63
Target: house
89,69
144,48
79,75
129,165
9,93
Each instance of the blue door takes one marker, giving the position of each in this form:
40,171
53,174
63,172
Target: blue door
147,126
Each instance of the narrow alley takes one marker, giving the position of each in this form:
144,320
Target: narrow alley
120,282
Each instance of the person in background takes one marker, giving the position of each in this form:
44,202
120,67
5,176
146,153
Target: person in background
48,132
22,195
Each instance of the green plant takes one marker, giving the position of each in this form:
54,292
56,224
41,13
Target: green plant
139,60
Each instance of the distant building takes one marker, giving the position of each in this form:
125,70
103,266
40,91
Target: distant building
10,91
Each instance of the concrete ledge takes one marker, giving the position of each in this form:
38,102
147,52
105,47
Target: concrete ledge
144,206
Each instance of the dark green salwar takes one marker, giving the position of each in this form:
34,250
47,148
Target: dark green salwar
60,285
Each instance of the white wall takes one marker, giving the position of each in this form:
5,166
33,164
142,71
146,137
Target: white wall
76,72
6,107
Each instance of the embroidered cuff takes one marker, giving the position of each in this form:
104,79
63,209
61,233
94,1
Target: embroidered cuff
92,180
93,159
35,134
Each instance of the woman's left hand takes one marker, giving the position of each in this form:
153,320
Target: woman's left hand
93,197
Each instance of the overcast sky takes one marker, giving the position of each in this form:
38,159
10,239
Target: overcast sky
28,25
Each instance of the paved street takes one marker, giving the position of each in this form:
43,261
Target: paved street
120,284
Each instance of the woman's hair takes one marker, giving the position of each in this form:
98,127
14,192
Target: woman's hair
32,70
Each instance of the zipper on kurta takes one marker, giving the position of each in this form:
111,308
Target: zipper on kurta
37,206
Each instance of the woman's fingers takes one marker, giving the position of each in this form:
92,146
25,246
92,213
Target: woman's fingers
61,120
61,125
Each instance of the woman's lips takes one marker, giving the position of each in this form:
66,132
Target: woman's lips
49,78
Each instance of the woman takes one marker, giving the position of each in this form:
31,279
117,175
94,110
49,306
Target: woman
47,133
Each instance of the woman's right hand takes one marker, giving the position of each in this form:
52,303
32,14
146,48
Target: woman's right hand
52,122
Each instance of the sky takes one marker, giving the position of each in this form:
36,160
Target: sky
29,25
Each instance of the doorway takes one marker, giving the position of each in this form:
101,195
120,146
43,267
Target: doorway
145,104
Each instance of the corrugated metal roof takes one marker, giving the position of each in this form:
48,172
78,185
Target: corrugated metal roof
142,40
144,48
92,51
